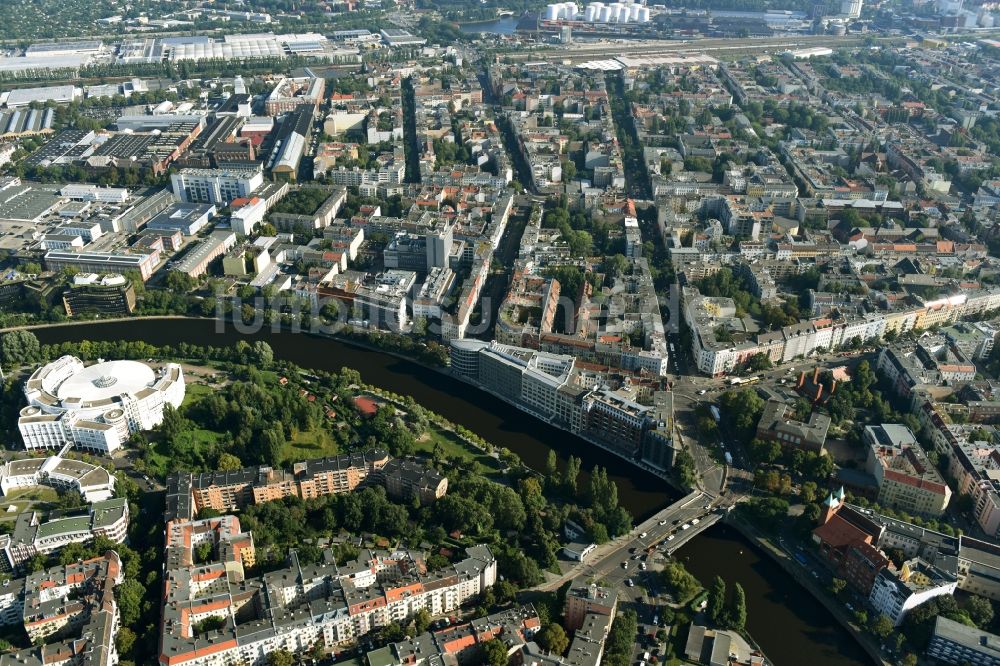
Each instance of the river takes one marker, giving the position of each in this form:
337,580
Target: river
788,624
505,25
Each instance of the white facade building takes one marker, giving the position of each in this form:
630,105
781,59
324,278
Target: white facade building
215,186
895,593
246,217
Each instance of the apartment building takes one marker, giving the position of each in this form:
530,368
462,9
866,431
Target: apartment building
236,489
583,599
906,479
295,607
75,602
932,360
895,593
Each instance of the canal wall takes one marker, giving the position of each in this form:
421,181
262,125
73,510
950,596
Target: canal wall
799,575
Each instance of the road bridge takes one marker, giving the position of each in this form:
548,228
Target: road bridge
609,560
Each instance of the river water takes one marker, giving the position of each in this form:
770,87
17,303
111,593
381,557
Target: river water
501,26
790,626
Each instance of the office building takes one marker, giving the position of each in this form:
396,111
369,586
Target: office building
102,262
215,186
778,423
959,644
96,407
110,296
31,536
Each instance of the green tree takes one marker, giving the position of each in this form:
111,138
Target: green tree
741,410
759,362
764,450
19,348
421,621
280,658
882,626
552,468
180,283
572,474
717,600
980,610
494,653
263,354
553,638
125,640
130,595
837,586
568,171
737,614
228,462
681,584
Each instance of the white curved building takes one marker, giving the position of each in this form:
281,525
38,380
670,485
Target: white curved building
94,483
96,407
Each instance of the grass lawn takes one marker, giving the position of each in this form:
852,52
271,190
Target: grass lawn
318,443
454,447
195,392
24,498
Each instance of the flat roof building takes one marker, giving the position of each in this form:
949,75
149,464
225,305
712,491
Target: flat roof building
215,186
956,643
102,262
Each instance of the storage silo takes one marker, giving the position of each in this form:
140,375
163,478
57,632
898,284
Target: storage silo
605,14
643,14
623,14
633,13
552,12
590,13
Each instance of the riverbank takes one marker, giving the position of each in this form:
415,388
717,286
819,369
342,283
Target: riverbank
782,559
445,371
651,469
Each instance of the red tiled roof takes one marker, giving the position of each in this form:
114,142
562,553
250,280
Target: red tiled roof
837,533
